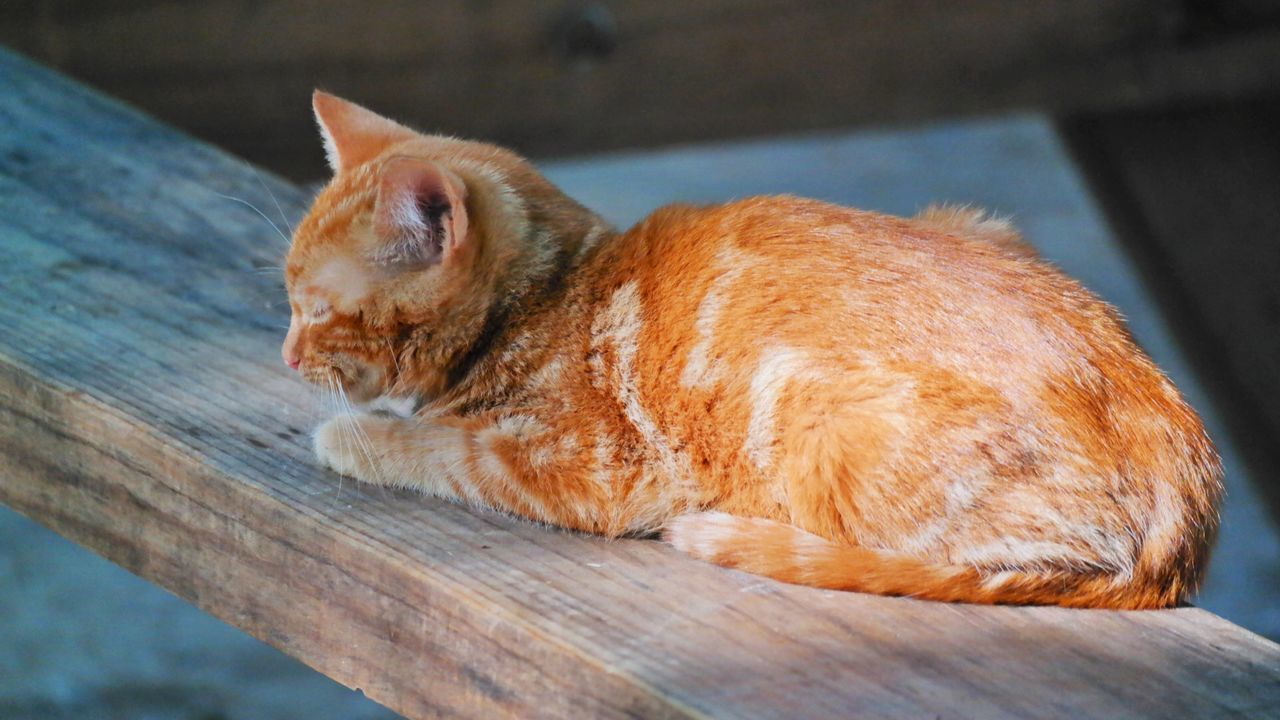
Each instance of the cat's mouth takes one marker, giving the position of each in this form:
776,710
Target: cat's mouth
351,383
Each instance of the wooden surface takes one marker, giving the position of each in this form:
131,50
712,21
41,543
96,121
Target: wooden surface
1193,192
144,413
572,77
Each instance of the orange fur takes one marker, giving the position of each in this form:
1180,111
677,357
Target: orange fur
814,393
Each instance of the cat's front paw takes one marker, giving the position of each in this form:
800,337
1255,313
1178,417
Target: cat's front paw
343,444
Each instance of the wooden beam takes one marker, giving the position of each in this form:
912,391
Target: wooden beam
145,414
550,81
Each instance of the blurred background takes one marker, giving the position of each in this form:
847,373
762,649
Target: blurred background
1137,142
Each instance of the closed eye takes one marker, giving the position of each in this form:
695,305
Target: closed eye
319,312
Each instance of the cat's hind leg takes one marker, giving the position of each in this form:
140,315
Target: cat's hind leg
858,466
787,553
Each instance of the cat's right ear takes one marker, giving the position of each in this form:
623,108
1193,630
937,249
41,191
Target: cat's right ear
353,134
421,213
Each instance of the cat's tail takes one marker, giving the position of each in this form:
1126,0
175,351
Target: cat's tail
787,553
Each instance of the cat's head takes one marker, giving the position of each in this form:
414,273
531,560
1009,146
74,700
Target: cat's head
405,255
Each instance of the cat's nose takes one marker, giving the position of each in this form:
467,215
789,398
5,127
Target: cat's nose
289,353
289,349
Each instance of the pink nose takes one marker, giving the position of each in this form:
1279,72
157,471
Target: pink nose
289,349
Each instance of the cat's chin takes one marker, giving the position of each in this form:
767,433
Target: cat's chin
360,385
397,405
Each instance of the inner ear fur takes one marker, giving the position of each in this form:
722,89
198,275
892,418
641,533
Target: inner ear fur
421,213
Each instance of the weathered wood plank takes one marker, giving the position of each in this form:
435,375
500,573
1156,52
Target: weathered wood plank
144,413
549,80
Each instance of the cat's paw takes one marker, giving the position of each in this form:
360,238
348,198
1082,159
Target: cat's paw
343,444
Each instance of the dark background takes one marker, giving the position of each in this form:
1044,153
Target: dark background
568,78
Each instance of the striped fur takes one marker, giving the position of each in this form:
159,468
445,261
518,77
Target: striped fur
814,393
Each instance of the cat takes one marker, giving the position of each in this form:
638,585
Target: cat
817,394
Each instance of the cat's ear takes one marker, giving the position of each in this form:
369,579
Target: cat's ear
353,134
421,213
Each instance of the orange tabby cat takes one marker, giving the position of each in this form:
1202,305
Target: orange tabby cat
818,394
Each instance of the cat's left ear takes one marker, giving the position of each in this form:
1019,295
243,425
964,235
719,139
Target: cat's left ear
421,213
353,134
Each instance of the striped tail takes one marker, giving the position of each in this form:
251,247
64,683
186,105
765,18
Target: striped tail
787,553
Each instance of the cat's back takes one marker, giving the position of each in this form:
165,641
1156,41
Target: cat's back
799,238
732,306
806,273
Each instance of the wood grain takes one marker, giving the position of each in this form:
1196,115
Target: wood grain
551,79
145,414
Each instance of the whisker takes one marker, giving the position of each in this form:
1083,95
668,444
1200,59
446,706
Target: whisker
252,207
363,443
283,217
315,415
395,360
334,411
